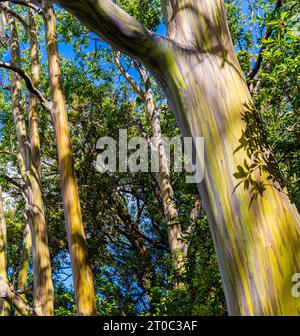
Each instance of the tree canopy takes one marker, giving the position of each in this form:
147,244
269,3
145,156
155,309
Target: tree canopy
125,219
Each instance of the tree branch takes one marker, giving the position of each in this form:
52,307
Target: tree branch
16,15
12,181
254,71
32,4
15,300
126,75
8,153
28,83
115,26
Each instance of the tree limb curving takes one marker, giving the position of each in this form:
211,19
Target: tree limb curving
115,26
29,84
15,299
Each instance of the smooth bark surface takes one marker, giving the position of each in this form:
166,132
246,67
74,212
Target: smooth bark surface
43,287
82,276
24,262
4,306
255,227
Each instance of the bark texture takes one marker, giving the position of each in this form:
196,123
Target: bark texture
4,306
255,227
29,166
82,276
24,262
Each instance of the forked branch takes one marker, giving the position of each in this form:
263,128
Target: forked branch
114,26
28,83
14,299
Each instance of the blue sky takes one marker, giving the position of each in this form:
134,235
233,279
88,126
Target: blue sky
68,53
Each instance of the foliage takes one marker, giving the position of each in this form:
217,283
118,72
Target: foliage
100,102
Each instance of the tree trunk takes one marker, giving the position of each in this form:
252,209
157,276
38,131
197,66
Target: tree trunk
82,276
255,227
24,262
4,305
33,125
177,247
7,295
43,287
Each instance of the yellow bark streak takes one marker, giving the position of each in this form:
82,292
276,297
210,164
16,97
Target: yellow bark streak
4,305
29,166
256,231
82,276
24,264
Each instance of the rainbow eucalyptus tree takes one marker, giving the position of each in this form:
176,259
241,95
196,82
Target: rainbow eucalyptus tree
81,272
4,306
254,225
29,146
29,162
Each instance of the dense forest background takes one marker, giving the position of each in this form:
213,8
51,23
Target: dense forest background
123,213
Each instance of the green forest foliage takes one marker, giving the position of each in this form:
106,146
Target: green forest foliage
100,102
